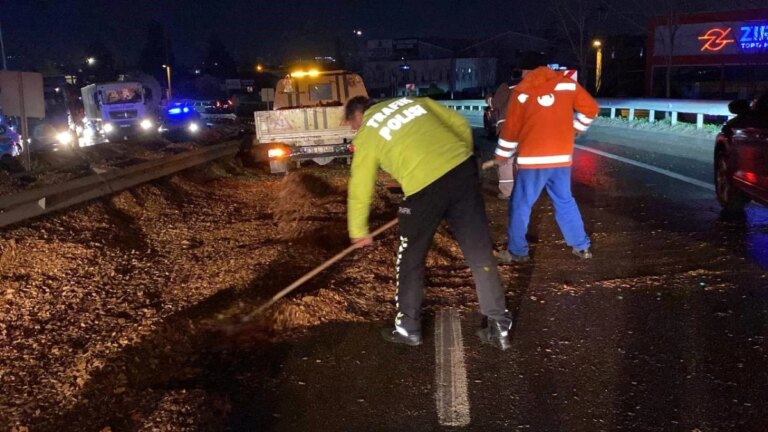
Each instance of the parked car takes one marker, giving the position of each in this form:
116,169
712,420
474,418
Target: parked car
201,105
741,155
220,106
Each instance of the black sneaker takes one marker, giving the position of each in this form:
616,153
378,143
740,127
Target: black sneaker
392,335
507,257
496,333
583,254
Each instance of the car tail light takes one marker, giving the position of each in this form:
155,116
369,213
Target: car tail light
351,148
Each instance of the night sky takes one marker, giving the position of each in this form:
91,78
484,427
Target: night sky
271,30
250,29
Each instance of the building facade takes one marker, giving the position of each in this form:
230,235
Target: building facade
412,66
718,55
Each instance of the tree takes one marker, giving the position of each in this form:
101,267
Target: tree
672,11
578,21
219,62
156,52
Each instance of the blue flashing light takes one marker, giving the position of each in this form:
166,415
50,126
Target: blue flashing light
174,111
185,109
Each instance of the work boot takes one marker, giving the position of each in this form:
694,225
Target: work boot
401,336
507,257
496,333
583,254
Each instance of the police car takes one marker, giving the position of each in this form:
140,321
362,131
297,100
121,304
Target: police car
180,120
10,142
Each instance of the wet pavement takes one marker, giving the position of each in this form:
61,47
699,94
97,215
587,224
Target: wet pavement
664,330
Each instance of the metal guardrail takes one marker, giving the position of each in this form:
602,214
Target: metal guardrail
671,107
36,202
476,105
206,116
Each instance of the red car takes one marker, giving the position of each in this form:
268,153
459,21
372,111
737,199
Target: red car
741,155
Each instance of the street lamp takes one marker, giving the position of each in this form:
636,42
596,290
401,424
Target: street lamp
259,68
168,75
598,63
91,61
357,32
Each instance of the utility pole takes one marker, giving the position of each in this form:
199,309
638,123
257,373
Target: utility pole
2,47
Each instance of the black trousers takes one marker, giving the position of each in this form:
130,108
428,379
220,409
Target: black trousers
457,198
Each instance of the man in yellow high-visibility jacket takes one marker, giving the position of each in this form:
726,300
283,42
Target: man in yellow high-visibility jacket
427,148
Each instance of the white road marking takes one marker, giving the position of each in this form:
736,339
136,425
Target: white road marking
661,171
450,372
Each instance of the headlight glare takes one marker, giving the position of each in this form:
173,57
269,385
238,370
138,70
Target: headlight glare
64,137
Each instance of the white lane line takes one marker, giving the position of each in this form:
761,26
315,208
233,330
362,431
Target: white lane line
661,171
450,374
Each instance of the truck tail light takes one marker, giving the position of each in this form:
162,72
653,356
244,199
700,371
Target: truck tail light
277,153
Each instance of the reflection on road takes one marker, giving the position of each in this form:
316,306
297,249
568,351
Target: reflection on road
756,226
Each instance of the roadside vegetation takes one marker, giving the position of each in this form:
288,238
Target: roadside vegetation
710,130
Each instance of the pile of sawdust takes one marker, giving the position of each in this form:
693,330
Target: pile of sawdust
309,310
299,195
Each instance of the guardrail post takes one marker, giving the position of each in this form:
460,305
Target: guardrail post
631,114
651,116
699,121
674,118
613,112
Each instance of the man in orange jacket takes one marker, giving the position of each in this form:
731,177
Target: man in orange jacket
540,128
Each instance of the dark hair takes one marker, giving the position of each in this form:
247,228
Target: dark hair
517,73
357,103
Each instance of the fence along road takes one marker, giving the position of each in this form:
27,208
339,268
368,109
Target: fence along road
473,109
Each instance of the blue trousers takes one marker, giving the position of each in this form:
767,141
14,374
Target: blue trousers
528,186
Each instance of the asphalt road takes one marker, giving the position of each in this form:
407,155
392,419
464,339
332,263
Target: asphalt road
664,330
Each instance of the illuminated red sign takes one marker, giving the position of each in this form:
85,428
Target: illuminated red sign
716,39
